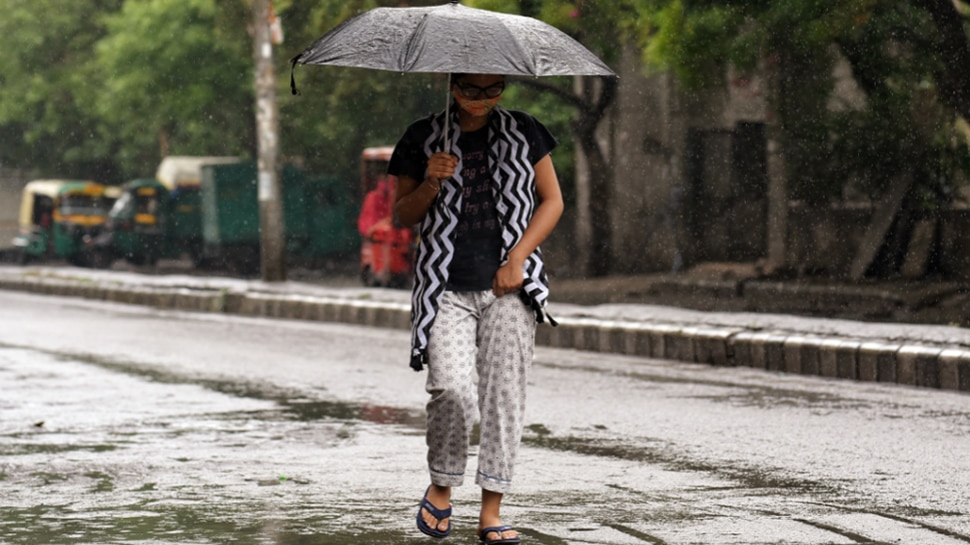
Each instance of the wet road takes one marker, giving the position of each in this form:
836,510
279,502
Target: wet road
121,424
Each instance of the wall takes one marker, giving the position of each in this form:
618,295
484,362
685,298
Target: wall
648,138
11,184
686,188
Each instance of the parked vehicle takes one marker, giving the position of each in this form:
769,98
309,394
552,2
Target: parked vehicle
210,212
205,208
185,171
60,219
157,218
317,210
387,248
149,222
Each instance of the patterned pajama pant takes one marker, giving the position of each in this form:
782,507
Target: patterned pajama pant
479,355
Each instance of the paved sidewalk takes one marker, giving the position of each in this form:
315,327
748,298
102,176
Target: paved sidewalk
914,355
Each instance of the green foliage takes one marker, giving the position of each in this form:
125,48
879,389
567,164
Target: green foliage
339,111
894,54
43,119
101,88
104,88
172,77
697,47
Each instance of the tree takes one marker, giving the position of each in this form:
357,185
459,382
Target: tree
340,111
907,57
900,53
177,79
45,122
594,24
950,47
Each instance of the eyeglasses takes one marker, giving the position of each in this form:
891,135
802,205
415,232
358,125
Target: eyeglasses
474,92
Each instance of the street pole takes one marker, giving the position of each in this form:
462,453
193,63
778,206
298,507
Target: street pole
271,235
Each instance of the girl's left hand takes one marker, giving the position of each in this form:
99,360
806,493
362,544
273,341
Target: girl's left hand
508,279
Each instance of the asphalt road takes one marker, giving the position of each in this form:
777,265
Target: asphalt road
123,424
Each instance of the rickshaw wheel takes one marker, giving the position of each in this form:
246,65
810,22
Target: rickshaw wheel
400,281
367,277
136,259
101,259
78,260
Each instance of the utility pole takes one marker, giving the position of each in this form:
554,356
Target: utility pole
271,236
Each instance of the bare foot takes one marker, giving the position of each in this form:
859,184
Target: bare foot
489,517
440,497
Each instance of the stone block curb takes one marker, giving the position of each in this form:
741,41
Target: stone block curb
775,351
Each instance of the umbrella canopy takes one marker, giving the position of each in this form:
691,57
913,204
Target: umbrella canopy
452,38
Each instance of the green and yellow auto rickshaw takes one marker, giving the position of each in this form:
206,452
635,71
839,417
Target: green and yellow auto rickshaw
149,222
60,219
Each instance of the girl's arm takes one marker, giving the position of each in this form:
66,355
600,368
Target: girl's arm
413,198
509,277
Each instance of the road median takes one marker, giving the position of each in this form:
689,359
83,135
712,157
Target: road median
909,355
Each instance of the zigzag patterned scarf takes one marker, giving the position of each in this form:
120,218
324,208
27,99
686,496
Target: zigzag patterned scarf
513,187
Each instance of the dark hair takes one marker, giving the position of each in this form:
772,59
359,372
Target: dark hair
455,76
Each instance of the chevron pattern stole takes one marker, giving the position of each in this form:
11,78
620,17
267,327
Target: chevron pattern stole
513,186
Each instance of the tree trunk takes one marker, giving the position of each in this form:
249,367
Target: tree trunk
953,78
600,175
777,210
882,219
272,238
592,101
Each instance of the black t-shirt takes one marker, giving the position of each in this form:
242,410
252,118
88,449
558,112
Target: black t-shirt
478,239
478,236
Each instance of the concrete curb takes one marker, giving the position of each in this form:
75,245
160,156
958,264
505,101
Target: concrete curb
907,364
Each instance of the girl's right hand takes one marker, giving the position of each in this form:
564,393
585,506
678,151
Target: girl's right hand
441,165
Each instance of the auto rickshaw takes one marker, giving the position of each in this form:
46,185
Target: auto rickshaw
59,219
157,218
387,248
148,222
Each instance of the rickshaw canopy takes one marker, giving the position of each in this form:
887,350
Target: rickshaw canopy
181,171
32,190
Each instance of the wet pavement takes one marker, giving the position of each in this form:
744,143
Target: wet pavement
933,356
125,424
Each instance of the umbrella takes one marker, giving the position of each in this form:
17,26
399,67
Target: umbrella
452,38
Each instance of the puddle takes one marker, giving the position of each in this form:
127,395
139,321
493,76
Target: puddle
668,457
377,414
49,448
126,454
182,525
131,455
292,404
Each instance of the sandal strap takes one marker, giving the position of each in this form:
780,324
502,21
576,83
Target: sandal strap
497,529
439,514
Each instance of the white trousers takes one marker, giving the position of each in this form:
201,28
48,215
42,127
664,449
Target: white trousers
479,355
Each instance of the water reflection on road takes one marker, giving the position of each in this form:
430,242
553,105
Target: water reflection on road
282,432
91,455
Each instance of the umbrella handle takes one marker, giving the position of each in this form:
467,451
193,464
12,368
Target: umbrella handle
293,62
448,113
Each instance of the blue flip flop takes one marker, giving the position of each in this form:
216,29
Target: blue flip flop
439,514
498,530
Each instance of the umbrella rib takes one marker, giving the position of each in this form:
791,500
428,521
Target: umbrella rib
522,54
406,62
